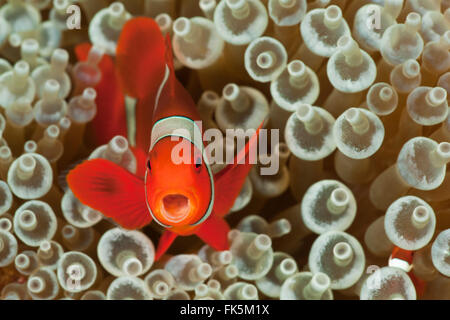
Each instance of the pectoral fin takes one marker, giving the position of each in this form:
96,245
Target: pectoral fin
112,190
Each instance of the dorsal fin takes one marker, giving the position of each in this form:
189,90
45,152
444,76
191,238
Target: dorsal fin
140,54
141,64
172,98
169,62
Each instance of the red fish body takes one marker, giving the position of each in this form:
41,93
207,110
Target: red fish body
178,190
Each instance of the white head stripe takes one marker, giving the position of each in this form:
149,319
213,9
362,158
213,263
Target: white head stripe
177,126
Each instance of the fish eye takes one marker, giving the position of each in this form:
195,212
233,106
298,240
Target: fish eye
198,164
149,166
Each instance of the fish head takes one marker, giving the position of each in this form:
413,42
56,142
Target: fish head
179,185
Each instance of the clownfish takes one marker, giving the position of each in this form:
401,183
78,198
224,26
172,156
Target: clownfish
403,259
186,198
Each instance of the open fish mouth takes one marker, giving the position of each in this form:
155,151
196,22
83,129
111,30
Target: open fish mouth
175,207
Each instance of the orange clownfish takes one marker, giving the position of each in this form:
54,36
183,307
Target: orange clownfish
403,259
185,197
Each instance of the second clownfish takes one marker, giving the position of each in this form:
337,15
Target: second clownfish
185,197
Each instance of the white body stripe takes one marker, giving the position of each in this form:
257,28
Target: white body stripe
400,264
177,126
161,86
